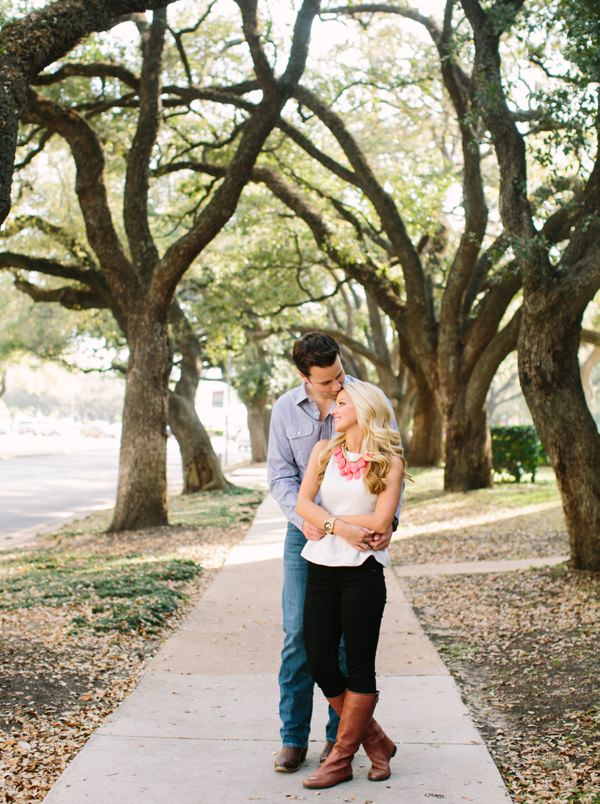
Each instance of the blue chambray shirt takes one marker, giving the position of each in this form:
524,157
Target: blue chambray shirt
295,428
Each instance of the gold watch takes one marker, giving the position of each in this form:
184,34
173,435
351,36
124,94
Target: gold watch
328,526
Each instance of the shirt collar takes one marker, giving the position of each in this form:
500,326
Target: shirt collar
302,399
300,394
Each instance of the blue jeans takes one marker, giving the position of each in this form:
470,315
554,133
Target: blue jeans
296,684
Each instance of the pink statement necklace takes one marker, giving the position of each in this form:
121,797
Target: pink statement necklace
348,468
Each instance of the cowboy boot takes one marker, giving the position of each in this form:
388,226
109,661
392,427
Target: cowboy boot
356,713
378,746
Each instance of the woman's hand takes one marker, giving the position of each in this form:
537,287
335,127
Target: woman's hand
356,536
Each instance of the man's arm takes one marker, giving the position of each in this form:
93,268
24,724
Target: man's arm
282,471
380,541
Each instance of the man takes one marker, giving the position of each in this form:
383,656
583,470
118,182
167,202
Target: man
300,418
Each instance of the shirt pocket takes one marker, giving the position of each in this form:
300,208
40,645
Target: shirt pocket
302,438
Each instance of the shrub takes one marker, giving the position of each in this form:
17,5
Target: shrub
516,451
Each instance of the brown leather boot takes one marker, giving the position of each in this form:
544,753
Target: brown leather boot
378,746
356,713
380,749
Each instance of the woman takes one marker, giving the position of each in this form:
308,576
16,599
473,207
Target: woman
359,477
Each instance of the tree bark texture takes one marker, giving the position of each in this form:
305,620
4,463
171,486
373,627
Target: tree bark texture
551,382
142,492
258,423
142,286
554,299
426,445
201,467
200,464
468,450
443,355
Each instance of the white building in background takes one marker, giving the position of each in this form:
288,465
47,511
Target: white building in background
225,418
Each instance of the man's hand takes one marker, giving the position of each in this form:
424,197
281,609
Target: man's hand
379,541
311,533
356,536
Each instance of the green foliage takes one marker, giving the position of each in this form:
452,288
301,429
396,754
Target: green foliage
118,591
217,509
461,651
516,451
581,21
29,328
131,594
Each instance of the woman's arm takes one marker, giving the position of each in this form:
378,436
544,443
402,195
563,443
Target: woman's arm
354,533
387,501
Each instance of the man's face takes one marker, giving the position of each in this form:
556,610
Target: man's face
325,381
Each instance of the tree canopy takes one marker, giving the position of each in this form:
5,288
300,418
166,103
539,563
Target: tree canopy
427,190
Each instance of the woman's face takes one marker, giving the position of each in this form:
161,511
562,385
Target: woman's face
344,412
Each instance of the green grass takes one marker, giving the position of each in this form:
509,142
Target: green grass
429,486
220,509
117,591
458,650
136,593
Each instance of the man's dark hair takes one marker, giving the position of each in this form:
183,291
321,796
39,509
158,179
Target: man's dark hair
314,349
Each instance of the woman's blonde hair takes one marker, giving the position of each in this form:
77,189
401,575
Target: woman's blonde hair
380,441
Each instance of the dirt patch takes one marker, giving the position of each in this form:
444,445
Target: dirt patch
31,679
524,649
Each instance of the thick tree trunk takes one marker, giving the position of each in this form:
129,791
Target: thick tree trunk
201,468
403,411
428,429
468,450
400,390
468,443
142,489
258,428
551,381
200,464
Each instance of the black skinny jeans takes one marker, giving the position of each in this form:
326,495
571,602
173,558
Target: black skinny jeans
348,601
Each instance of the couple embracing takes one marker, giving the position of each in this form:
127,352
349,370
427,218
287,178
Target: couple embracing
336,468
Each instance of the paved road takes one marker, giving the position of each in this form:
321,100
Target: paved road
39,492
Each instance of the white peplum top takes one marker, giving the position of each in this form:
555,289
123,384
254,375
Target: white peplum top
341,496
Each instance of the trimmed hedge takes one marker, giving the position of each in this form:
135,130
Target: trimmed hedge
516,451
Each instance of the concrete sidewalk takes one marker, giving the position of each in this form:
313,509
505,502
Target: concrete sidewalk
202,725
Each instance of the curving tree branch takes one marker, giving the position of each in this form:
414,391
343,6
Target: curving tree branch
89,159
30,44
135,203
69,297
265,117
